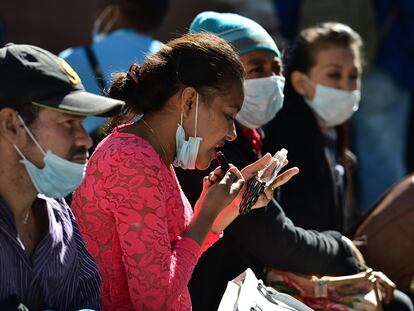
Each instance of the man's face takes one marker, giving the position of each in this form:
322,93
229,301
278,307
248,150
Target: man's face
61,133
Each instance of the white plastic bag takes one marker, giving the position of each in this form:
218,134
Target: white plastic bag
247,293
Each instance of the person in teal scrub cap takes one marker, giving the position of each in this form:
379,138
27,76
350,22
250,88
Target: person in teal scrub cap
262,237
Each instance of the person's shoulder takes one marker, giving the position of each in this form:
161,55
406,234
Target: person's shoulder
60,209
72,52
120,147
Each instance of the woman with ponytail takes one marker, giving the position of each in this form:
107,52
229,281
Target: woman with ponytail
180,106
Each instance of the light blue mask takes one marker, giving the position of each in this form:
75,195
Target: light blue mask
58,178
187,150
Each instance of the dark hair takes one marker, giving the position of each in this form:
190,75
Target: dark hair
146,16
311,40
303,57
203,61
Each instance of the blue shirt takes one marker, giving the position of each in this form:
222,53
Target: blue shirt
114,52
60,275
395,52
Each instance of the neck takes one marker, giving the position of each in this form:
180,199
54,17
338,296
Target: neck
14,178
163,138
162,135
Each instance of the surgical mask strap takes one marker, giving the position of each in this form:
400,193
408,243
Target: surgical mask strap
102,16
196,117
309,80
19,152
31,135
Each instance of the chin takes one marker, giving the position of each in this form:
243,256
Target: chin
203,163
202,166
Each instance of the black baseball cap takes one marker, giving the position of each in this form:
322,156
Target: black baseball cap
29,74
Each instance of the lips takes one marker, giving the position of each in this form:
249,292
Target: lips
80,159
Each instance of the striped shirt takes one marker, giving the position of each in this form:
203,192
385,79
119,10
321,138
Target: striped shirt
60,275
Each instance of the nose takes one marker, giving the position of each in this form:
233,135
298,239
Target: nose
232,134
348,85
82,138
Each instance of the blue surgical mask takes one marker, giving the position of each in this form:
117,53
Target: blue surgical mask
187,150
58,178
263,99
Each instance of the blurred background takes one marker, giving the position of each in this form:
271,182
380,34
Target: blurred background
57,25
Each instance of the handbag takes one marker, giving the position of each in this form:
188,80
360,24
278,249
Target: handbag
358,291
247,293
389,226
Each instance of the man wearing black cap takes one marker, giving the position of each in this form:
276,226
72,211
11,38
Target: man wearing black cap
43,151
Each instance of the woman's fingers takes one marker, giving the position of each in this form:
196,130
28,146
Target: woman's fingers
251,170
214,176
284,178
386,285
231,176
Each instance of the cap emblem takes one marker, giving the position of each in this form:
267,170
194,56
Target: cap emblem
73,76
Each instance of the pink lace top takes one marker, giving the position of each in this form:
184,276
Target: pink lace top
132,212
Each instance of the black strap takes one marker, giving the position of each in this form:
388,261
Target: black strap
93,62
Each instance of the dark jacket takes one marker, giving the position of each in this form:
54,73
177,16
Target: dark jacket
319,197
262,237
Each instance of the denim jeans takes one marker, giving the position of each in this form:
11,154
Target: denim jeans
379,134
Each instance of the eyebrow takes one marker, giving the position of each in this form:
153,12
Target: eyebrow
234,106
257,61
338,66
332,64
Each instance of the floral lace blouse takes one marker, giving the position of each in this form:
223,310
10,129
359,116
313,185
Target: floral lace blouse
132,212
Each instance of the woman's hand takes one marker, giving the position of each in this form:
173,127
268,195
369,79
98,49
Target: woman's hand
280,180
210,212
251,170
219,190
386,287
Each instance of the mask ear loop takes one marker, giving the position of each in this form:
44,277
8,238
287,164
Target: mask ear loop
312,83
113,20
309,80
30,134
196,117
101,17
20,153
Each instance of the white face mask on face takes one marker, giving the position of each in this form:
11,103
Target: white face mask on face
263,99
333,106
187,150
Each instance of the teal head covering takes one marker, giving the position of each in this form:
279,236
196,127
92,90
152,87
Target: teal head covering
243,33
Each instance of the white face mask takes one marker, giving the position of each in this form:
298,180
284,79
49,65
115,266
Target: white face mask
263,99
97,33
333,106
58,178
187,150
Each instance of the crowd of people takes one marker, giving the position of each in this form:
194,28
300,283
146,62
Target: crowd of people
150,221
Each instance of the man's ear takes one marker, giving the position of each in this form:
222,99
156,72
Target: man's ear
10,126
188,101
298,82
